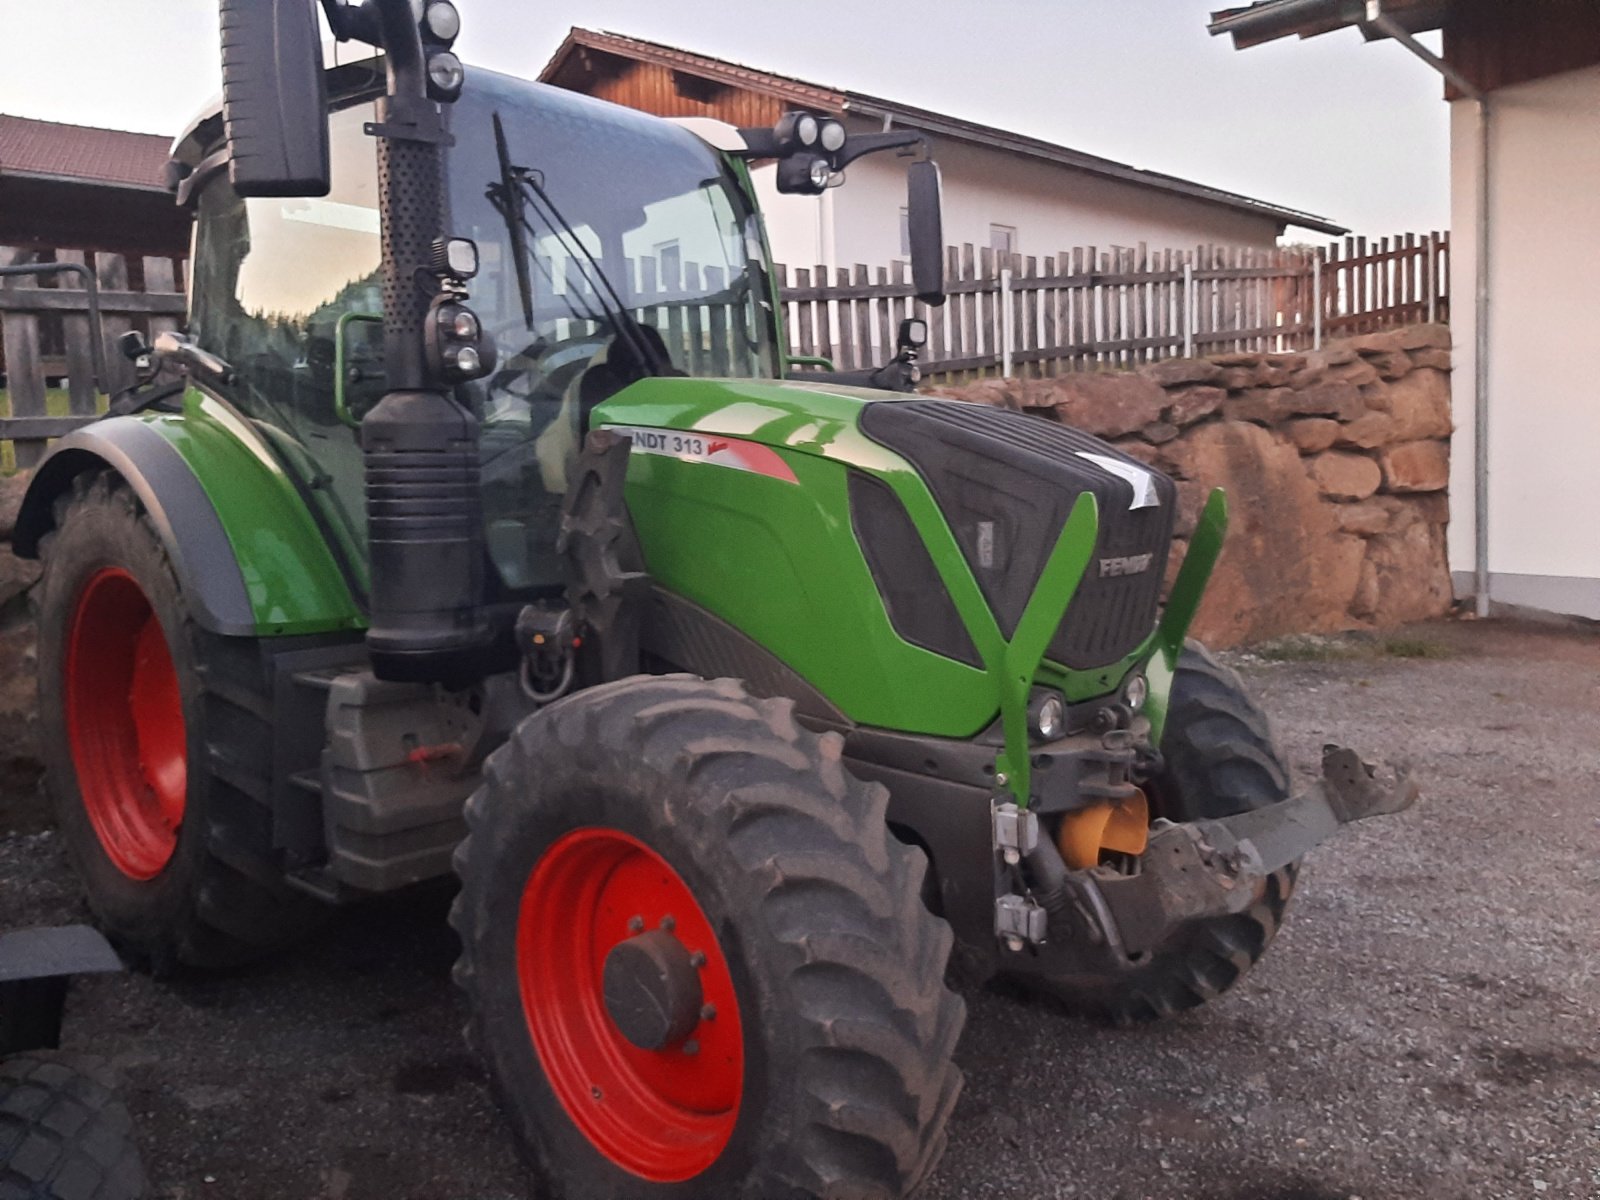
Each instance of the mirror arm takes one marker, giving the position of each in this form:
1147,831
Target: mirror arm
862,144
185,350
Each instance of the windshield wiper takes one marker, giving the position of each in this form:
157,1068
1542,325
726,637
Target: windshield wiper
509,202
628,325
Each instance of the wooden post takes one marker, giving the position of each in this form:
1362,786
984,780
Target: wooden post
82,399
19,334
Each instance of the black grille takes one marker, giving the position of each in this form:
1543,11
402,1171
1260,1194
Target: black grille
919,607
1006,483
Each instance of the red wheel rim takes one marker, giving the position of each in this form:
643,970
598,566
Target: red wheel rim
125,724
664,1115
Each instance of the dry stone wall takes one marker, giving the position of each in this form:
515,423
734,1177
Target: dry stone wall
1335,462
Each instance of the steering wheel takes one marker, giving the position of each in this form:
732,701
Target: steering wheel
542,371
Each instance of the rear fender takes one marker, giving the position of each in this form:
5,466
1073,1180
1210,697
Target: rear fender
184,518
247,552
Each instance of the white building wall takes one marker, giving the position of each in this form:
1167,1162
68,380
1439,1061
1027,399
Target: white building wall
1544,395
1052,208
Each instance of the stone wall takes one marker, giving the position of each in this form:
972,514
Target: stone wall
1335,463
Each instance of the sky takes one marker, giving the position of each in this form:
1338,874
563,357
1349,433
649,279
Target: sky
1354,132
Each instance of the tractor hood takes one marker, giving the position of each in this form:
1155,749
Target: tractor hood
987,492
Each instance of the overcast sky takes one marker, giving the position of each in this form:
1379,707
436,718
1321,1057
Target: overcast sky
1357,133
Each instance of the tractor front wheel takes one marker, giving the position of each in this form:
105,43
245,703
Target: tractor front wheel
698,963
158,743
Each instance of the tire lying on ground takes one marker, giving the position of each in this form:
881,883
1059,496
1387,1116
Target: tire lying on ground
1220,758
697,961
158,743
63,1133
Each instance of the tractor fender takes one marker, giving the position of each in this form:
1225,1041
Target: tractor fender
191,531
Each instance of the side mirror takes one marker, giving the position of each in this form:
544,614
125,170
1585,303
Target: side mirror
359,381
925,216
913,334
274,98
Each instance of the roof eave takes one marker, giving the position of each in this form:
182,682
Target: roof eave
990,138
82,181
793,91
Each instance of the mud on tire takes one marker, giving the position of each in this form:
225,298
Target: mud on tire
63,1133
838,969
220,900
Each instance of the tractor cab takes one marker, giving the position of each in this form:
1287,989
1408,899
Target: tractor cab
611,246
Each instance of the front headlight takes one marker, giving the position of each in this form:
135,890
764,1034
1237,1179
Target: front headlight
1136,691
1047,715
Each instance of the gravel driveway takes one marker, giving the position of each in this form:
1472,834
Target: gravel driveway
1428,1024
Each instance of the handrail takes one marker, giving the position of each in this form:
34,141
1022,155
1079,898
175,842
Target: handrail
91,287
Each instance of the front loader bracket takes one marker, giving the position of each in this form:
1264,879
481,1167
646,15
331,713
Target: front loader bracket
1208,868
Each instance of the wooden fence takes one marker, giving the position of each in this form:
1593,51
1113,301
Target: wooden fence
1084,309
1089,309
45,333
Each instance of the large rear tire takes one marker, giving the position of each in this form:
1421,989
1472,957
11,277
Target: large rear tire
681,843
158,744
64,1135
1220,758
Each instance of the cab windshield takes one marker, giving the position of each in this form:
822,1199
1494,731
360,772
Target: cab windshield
612,246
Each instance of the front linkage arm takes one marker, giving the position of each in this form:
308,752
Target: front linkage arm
1211,867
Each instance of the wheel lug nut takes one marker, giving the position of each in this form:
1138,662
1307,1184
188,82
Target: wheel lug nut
691,1047
596,1093
708,1013
669,923
697,959
635,924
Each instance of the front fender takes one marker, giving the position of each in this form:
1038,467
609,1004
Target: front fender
249,557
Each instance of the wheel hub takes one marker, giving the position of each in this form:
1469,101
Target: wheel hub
630,1004
652,990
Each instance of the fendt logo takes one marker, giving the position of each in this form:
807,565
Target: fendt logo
1133,564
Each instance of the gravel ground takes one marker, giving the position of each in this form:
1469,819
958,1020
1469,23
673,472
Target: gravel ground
1425,1026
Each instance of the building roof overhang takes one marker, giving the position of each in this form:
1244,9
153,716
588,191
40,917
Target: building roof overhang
568,68
1269,20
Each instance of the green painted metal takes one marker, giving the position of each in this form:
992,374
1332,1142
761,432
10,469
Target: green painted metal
1205,545
781,561
1019,665
341,406
809,360
294,585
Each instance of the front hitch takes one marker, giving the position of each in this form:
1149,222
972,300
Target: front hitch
1210,868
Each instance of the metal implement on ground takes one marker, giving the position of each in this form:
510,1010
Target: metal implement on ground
480,522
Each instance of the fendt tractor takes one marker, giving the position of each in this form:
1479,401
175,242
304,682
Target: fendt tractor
480,522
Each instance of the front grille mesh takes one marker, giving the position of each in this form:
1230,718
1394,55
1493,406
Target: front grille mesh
1021,475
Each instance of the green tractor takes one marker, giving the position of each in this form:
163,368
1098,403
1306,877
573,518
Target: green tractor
480,522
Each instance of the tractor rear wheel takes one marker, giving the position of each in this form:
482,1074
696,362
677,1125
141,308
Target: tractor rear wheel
64,1134
157,740
1220,758
697,961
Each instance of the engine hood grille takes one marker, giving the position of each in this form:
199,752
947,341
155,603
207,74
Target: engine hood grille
1006,483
